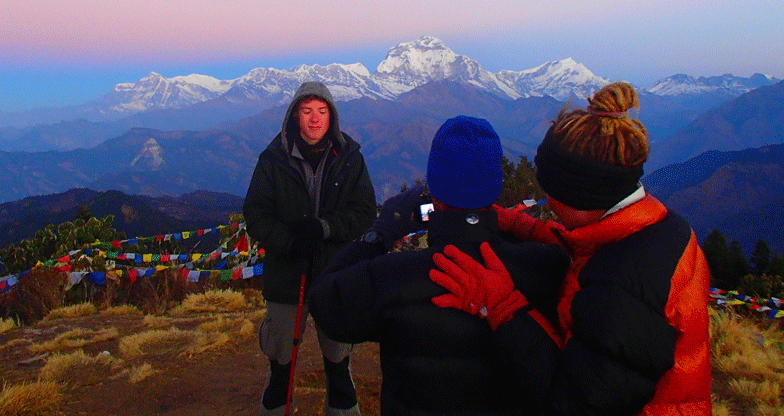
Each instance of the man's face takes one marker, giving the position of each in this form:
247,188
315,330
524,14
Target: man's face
313,119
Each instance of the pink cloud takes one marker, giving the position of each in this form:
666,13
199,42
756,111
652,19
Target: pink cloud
103,31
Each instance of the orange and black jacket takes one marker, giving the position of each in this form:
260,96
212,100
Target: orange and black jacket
633,315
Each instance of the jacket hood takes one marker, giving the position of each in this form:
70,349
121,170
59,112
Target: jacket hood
290,123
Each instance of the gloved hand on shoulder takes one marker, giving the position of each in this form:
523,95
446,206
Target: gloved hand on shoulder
487,292
525,227
400,215
513,222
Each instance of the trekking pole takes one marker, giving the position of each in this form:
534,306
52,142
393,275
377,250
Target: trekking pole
295,345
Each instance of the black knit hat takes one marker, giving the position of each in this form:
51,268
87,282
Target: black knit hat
582,182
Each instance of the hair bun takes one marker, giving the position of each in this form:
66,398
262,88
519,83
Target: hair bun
613,100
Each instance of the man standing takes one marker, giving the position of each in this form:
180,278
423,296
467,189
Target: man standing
436,361
310,195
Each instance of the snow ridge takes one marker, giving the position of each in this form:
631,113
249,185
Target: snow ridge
407,66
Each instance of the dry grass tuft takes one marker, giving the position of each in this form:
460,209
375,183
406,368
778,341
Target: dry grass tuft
764,392
41,398
224,324
254,297
747,356
73,311
208,342
170,342
765,410
214,301
720,407
75,338
157,322
258,315
17,342
78,369
247,330
6,325
142,372
122,310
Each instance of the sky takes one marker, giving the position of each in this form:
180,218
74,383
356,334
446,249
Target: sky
67,52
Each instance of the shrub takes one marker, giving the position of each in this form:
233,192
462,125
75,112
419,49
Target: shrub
762,286
36,293
155,294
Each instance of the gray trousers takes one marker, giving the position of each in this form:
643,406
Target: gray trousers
276,334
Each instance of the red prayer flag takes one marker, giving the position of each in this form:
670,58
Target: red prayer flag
242,244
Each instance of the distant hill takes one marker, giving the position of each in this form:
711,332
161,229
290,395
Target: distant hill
137,216
740,193
149,162
395,137
753,119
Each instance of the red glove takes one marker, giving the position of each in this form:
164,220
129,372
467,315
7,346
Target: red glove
525,227
487,292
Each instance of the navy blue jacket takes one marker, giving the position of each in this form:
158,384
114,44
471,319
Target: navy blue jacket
435,361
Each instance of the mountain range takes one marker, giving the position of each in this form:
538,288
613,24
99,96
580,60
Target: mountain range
167,137
740,193
753,119
202,102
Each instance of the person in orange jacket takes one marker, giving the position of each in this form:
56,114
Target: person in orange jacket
632,336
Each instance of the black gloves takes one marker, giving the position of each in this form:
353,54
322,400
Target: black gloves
400,216
307,234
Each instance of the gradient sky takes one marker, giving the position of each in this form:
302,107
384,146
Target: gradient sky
68,52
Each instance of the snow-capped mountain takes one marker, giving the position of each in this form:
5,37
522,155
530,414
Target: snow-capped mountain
682,84
412,64
407,66
156,92
346,82
559,79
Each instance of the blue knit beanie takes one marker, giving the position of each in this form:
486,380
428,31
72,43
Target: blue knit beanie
464,167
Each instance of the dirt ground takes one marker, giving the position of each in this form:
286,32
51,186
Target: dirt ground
227,381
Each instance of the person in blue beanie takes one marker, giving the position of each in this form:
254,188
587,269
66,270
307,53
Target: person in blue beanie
436,361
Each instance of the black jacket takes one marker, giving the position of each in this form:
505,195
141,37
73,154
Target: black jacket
278,198
435,361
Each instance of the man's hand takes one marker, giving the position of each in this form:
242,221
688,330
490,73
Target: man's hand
487,292
307,233
399,215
